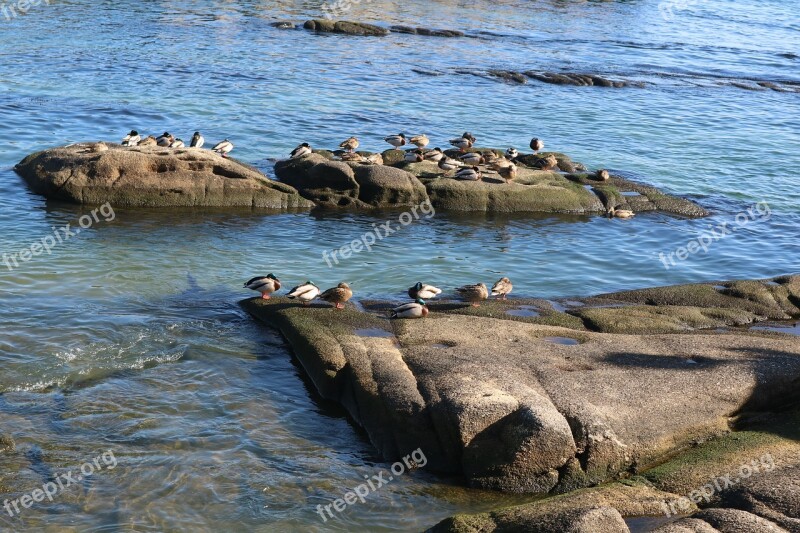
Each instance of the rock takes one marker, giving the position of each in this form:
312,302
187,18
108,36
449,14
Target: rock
660,319
562,409
774,496
426,31
283,24
581,80
345,27
392,157
388,187
509,75
722,521
152,177
565,164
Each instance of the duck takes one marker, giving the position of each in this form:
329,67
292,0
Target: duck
416,309
197,140
548,162
414,156
305,292
97,147
351,156
472,158
374,159
508,172
300,151
512,154
337,295
223,148
421,290
420,141
620,213
148,141
434,155
131,139
502,288
447,164
396,140
470,137
491,157
266,285
177,143
461,143
165,140
602,175
474,294
537,145
350,144
469,174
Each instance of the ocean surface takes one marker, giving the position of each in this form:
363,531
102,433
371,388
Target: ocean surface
128,338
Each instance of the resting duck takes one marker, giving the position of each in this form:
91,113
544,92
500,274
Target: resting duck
374,159
414,156
350,144
434,155
546,163
420,141
461,143
447,164
470,137
177,143
266,285
508,172
421,290
472,158
416,309
197,140
165,140
300,151
474,294
131,139
512,154
223,148
602,175
148,141
536,145
396,140
97,147
305,292
469,174
502,288
338,295
620,213
351,156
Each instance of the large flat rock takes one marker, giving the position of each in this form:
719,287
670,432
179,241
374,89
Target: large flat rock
152,177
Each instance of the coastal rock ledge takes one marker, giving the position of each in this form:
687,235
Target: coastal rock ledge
568,405
152,177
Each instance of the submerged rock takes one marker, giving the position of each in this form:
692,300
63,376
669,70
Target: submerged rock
152,177
345,27
581,80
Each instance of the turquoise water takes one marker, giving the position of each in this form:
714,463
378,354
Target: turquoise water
128,336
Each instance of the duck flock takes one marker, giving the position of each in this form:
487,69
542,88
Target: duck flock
340,294
167,140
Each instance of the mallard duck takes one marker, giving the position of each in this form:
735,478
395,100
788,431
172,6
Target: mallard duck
469,174
305,292
508,172
447,164
502,288
351,156
300,151
416,309
223,148
350,144
434,155
421,290
266,285
420,141
490,157
197,140
620,213
396,140
374,159
131,139
470,137
536,145
474,294
97,147
177,143
548,162
472,158
148,141
602,175
338,295
165,140
512,154
461,143
414,156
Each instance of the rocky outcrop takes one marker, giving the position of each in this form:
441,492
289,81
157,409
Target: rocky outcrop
152,177
345,27
426,31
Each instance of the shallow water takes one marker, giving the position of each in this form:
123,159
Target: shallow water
128,336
